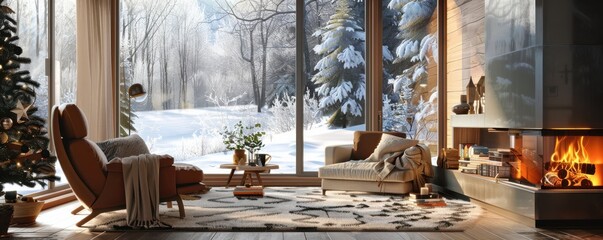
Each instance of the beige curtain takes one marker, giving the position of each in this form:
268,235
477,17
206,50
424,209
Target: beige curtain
95,81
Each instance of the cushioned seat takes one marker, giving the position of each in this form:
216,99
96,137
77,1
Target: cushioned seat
341,172
188,179
361,171
187,173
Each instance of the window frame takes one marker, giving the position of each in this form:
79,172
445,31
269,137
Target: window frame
373,114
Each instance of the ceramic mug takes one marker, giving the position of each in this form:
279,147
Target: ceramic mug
263,158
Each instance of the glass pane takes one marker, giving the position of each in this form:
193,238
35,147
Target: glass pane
64,50
32,30
335,88
206,65
64,62
410,48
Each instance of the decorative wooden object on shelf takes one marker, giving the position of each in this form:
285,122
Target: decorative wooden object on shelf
471,92
463,107
481,90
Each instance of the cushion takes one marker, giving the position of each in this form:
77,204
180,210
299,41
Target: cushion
365,143
187,173
122,147
361,171
390,144
73,122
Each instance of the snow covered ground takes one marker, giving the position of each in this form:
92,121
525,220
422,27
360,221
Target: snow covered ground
192,136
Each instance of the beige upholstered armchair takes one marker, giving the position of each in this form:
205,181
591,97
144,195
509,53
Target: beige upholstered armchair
340,173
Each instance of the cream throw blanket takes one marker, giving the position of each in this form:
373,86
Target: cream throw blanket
141,183
404,154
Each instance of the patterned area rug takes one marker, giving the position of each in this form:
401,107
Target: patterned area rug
305,209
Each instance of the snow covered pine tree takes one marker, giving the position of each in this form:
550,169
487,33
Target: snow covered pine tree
340,72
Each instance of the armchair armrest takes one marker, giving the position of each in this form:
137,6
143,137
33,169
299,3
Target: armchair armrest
115,164
113,193
338,154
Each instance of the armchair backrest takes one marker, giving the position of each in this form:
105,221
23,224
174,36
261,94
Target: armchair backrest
81,160
365,142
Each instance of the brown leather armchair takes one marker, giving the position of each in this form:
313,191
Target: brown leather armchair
99,184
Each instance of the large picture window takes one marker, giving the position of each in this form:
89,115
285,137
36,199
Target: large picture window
209,64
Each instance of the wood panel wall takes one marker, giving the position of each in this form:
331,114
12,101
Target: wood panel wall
465,51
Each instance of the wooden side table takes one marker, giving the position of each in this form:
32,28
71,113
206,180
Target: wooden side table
248,172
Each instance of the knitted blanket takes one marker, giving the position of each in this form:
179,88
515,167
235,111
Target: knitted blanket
404,154
141,183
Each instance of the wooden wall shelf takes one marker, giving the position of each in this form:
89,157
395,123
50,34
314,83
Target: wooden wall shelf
468,121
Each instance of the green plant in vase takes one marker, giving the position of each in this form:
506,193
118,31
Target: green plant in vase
253,140
241,138
234,139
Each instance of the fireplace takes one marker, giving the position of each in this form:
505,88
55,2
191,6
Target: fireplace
558,161
542,68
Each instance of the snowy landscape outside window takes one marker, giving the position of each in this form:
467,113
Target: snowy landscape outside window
410,48
206,64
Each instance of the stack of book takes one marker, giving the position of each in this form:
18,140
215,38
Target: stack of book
495,164
427,200
468,166
498,164
243,191
472,160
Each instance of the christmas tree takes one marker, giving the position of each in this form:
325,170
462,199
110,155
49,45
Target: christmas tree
24,157
340,72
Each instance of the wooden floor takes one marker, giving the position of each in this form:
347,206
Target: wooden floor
58,223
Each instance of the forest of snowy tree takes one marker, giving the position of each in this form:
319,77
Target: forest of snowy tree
201,53
213,53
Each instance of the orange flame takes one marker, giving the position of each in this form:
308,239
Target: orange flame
567,151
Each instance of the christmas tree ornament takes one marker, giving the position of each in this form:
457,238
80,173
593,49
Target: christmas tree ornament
21,111
45,153
7,123
3,138
24,149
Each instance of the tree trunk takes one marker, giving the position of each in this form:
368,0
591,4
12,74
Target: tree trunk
37,2
163,68
250,60
307,65
264,36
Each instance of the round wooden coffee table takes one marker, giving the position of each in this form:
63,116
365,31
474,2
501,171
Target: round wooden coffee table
248,172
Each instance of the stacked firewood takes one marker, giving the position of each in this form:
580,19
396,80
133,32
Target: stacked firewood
569,174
